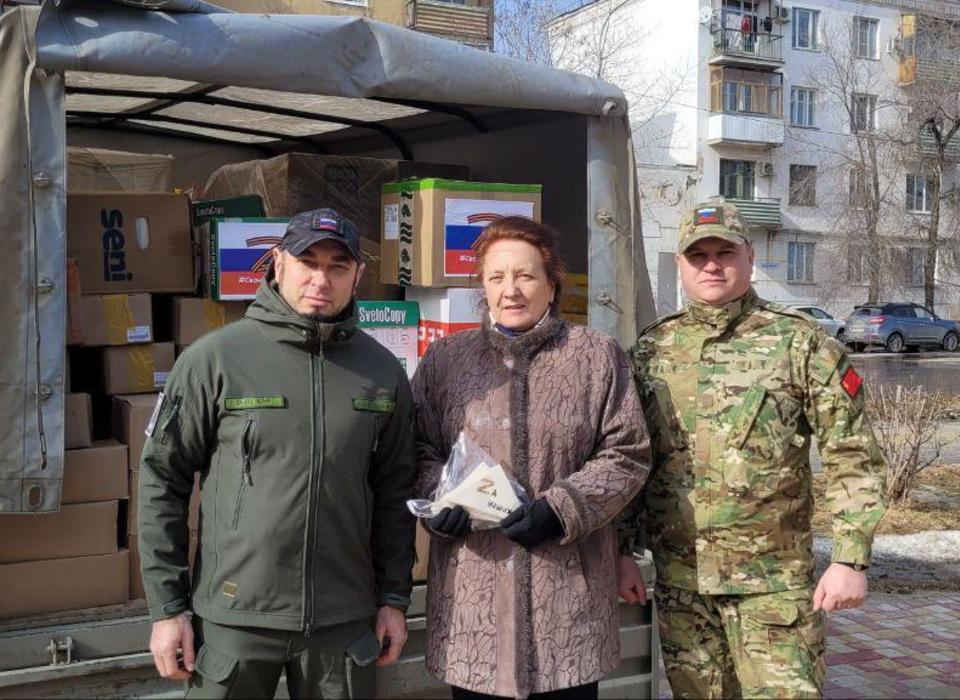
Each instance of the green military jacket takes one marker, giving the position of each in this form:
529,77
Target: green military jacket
302,433
733,396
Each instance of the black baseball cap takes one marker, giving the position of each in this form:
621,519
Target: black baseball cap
309,227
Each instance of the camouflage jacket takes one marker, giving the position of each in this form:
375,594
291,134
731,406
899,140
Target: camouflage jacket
733,395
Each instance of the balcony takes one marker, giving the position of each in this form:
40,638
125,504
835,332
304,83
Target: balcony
467,21
763,50
926,48
746,106
928,145
760,212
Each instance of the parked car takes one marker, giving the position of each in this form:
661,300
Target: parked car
898,326
833,326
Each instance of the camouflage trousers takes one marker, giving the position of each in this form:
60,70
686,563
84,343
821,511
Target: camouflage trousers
768,645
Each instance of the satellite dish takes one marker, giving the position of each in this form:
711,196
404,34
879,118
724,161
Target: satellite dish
706,14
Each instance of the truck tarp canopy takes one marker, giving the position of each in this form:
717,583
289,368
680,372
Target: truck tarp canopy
246,79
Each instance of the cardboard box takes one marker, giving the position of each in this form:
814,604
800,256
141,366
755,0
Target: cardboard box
575,298
296,182
136,582
77,421
395,325
74,304
78,530
420,567
429,227
205,211
194,317
193,511
103,170
97,473
55,585
128,243
241,254
444,312
137,369
131,414
117,319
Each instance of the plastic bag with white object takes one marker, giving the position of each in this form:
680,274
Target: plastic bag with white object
472,479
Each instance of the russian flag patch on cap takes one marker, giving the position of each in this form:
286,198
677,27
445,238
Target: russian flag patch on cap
709,215
324,223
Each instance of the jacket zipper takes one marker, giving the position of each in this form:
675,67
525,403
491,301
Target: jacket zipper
246,479
316,467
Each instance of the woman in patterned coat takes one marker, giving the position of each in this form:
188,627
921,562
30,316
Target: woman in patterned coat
529,608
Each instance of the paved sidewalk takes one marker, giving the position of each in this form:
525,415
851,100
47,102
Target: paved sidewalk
896,646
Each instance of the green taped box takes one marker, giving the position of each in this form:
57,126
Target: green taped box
393,324
428,227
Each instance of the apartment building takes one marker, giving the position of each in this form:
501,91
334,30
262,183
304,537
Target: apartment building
467,21
779,106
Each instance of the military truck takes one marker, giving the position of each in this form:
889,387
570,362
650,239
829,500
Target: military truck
215,87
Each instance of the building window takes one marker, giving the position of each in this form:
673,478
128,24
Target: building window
737,178
865,32
863,116
803,185
915,264
806,29
800,262
801,106
855,266
858,188
919,191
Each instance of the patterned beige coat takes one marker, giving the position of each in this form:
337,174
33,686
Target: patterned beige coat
558,408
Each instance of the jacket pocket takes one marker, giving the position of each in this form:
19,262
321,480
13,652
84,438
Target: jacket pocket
246,477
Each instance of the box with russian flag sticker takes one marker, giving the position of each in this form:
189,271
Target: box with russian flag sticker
241,253
429,226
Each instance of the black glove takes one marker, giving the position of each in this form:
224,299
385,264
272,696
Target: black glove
451,522
532,524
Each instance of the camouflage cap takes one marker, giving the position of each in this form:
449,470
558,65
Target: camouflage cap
715,219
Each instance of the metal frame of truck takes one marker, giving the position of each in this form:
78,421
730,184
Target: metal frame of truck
391,93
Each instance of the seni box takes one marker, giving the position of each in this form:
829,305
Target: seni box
429,226
241,255
395,325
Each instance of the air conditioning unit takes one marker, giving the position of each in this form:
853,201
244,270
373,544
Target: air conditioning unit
783,14
765,169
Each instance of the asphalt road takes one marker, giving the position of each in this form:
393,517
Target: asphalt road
935,371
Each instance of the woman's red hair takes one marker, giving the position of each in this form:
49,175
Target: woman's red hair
540,236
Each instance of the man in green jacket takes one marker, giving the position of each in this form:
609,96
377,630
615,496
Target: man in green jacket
300,426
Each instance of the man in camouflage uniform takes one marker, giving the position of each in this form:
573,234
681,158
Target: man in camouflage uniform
734,388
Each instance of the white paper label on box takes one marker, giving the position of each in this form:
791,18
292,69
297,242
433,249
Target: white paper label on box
139,334
391,222
159,379
152,423
464,221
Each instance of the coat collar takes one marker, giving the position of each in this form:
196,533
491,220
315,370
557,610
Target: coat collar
526,345
721,317
287,326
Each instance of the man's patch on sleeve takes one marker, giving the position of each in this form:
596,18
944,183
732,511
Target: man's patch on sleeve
152,423
851,382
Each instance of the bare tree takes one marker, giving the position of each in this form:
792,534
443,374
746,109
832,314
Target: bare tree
856,154
931,137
